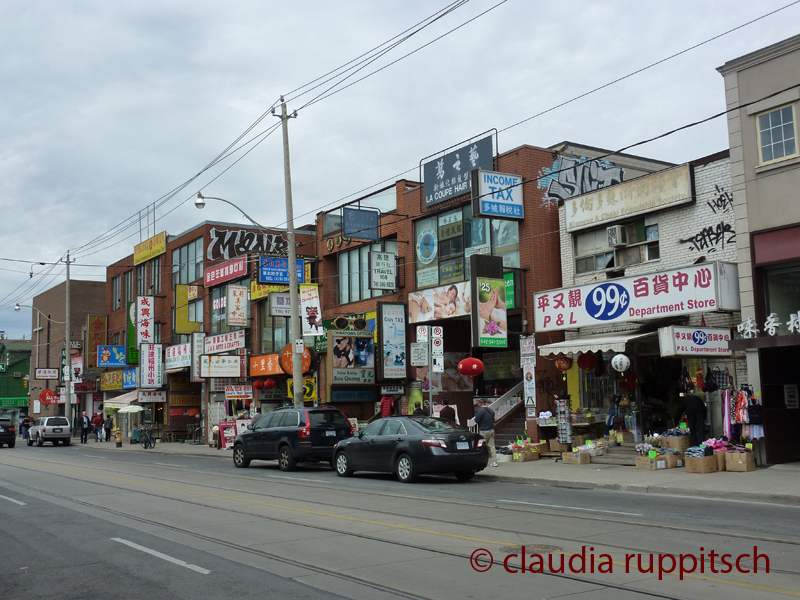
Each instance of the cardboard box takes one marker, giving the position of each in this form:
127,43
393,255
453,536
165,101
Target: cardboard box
525,456
740,462
701,464
673,462
678,442
646,463
541,447
576,458
720,456
556,447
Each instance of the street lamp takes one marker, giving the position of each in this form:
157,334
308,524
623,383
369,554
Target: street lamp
294,299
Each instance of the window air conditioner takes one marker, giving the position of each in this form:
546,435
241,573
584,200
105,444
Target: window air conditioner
617,236
17,374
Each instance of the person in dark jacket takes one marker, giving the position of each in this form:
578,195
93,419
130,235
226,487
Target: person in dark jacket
108,425
695,410
448,413
97,423
86,425
419,411
484,419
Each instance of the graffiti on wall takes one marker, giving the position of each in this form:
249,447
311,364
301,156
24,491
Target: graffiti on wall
230,243
722,203
573,176
711,239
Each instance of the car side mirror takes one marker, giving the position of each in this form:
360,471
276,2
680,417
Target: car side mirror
360,435
250,426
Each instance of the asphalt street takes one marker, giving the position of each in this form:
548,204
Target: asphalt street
76,519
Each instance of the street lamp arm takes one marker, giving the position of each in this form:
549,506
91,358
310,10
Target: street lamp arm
18,306
200,196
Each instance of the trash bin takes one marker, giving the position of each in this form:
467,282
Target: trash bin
135,435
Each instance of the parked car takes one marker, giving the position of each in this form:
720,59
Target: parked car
8,432
411,446
292,435
50,429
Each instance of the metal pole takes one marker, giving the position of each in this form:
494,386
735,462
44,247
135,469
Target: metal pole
296,334
68,376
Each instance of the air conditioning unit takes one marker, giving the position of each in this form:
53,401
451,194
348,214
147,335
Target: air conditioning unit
17,374
617,236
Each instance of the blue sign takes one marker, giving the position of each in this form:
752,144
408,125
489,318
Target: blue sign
361,224
497,195
700,337
352,395
449,176
607,301
129,379
276,270
112,356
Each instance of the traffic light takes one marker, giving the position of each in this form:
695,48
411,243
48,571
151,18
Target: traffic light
25,381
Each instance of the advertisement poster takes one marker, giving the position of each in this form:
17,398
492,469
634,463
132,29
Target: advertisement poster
111,356
529,379
440,302
236,306
227,433
393,336
414,395
310,310
351,357
451,380
500,365
492,323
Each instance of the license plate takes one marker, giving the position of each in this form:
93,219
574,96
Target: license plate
462,445
1,429
330,433
57,430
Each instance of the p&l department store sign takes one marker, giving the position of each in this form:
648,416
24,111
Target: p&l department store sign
708,287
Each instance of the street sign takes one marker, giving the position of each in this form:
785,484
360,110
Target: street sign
422,333
437,364
419,354
437,346
437,332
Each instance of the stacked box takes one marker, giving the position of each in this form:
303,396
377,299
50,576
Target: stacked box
740,461
701,464
576,458
556,447
679,442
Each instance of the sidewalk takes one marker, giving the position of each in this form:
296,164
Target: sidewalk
779,484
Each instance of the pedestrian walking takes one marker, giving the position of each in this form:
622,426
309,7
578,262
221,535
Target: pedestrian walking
448,413
484,419
86,425
108,425
27,422
419,411
387,406
97,423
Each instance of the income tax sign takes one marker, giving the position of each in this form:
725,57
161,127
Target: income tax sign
693,289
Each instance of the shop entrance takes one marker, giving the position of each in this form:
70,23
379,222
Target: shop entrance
780,380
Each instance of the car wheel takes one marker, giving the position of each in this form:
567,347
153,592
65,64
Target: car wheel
405,469
240,457
12,444
343,465
286,462
465,475
30,441
66,442
39,441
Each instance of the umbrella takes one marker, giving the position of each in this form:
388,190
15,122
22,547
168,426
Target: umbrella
131,408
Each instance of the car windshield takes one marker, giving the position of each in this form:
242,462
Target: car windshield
436,425
328,417
57,422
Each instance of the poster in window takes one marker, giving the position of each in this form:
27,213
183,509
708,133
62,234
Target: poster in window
440,302
393,338
351,357
490,313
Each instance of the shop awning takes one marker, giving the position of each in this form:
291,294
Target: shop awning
592,343
123,400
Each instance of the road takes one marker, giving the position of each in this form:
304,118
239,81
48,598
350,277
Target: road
82,518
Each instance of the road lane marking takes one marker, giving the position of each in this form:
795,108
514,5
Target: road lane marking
14,501
612,512
166,557
168,465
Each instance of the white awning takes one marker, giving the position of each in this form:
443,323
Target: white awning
592,343
123,400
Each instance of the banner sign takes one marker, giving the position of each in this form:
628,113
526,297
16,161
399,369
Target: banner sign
133,347
276,270
46,374
224,342
238,392
111,380
694,341
382,270
489,313
360,224
259,291
529,386
111,356
693,289
97,334
198,346
440,302
178,356
152,367
220,366
236,306
351,357
392,336
129,379
497,195
152,397
149,249
267,364
219,274
144,319
449,176
310,310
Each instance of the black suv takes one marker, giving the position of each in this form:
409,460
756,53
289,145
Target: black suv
8,432
292,435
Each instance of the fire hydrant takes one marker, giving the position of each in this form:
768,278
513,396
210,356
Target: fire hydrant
118,436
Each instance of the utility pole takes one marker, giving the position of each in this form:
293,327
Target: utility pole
68,354
296,333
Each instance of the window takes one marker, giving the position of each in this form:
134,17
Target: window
321,418
394,428
354,271
372,429
187,263
219,297
776,134
505,242
782,288
156,333
265,422
274,330
116,293
155,275
128,286
592,252
115,339
289,418
141,280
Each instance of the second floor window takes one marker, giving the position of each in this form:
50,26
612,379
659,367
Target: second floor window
155,275
354,271
128,286
776,134
141,280
116,292
187,263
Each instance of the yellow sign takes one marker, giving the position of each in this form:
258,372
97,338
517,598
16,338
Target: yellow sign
111,380
182,323
155,246
310,385
184,400
258,290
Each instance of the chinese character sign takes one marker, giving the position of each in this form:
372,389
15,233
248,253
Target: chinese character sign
382,268
449,176
178,356
151,365
198,346
111,356
310,310
693,289
360,224
97,333
276,270
236,306
145,319
694,341
498,195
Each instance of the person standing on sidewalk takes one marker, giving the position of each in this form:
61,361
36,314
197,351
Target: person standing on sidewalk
108,425
695,410
97,423
484,419
387,406
85,424
448,413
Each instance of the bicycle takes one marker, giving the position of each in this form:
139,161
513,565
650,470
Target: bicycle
146,439
198,436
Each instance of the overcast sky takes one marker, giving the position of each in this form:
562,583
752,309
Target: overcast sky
109,106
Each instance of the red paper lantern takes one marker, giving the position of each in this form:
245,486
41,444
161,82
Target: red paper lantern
587,361
563,363
258,384
470,367
269,384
